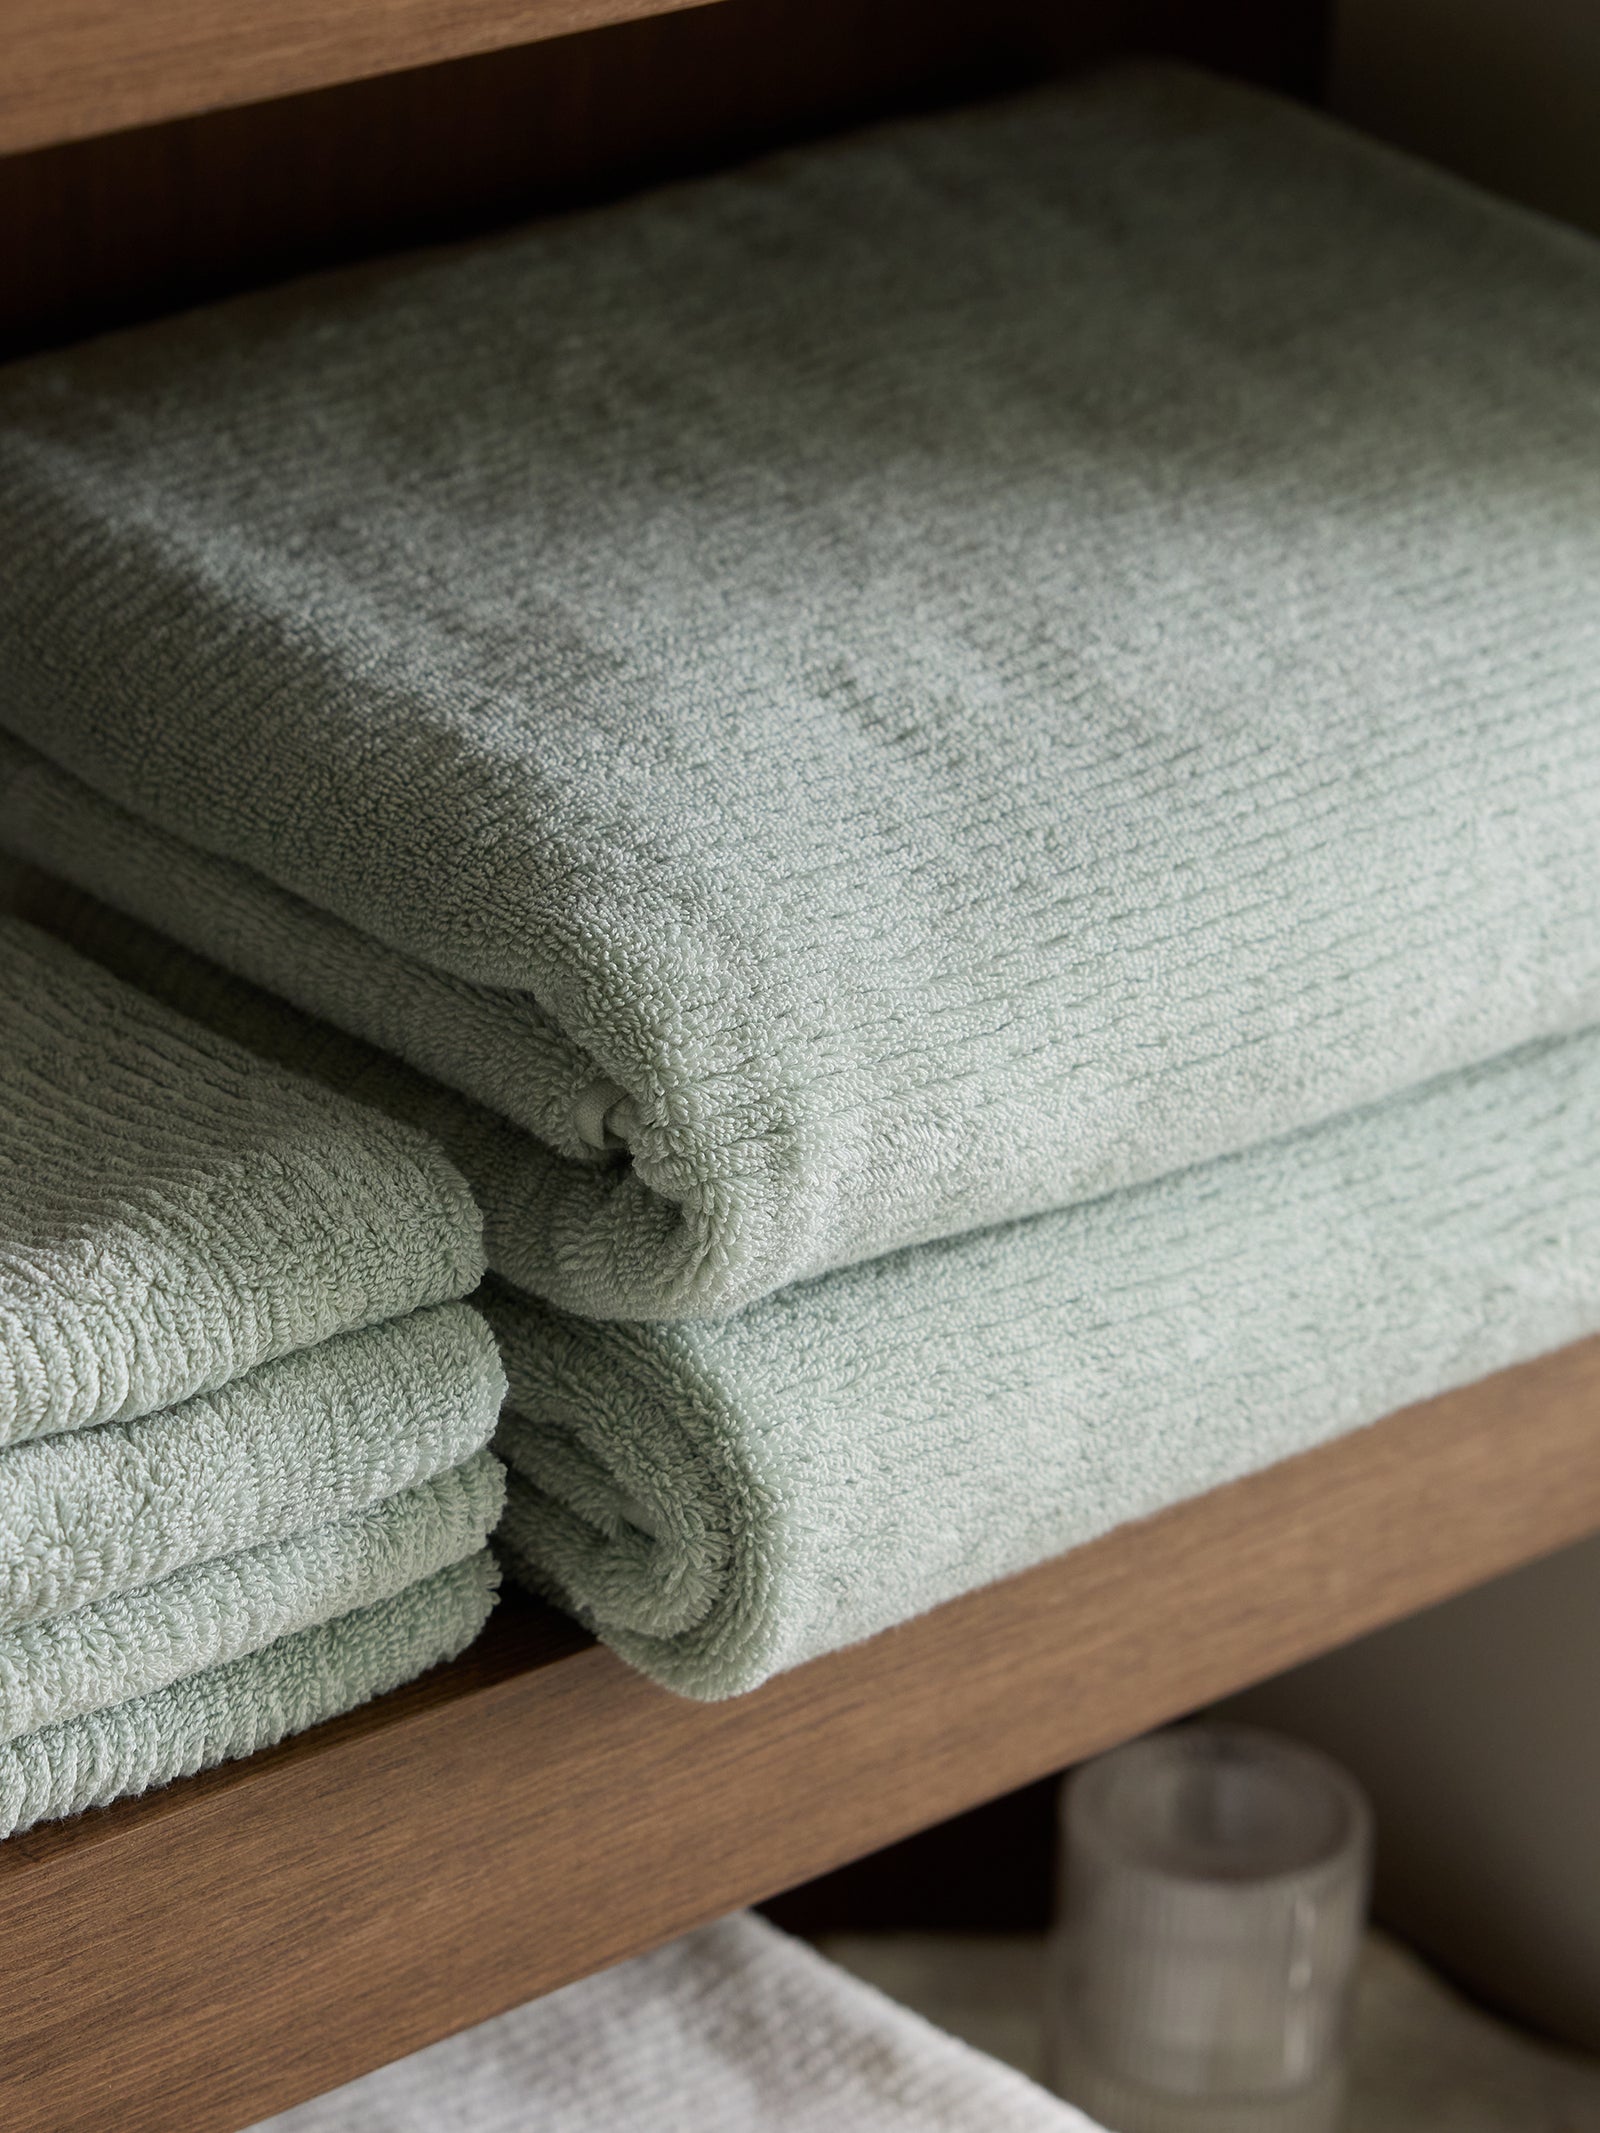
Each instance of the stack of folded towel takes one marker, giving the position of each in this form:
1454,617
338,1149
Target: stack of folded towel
960,772
244,1481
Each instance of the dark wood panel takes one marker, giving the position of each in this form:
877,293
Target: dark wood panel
200,1958
80,67
99,232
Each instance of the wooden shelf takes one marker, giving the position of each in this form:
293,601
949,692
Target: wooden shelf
202,1957
74,68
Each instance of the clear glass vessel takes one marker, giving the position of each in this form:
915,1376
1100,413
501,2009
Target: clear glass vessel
1214,1891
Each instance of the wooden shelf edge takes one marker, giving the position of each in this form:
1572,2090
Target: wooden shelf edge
77,68
246,1939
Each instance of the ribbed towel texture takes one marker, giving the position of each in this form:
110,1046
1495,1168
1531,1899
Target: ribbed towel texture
723,1501
218,1609
302,1442
910,685
244,1476
173,1212
246,1705
735,2029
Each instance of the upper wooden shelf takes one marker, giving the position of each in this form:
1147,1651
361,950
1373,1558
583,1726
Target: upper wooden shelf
74,68
225,1948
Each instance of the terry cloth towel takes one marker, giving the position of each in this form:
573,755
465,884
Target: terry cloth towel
214,1611
913,684
737,2029
247,1704
298,1444
238,1402
720,1502
723,1501
174,1212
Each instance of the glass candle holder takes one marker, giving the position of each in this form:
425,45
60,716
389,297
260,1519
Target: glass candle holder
1214,1891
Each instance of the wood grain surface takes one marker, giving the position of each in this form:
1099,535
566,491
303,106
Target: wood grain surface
79,67
190,1962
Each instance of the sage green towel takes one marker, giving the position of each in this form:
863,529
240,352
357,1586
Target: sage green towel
247,1704
95,847
720,1502
134,1643
913,684
243,1421
299,1443
174,1212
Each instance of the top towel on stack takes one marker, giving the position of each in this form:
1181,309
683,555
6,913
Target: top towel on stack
175,1213
917,683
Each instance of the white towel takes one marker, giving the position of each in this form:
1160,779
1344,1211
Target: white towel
737,2029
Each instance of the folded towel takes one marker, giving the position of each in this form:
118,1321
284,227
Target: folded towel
723,1501
916,683
299,1443
248,1704
216,1611
138,879
735,2028
173,1212
240,1408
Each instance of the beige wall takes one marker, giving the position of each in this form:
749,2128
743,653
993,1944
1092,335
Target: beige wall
1476,1729
1506,91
